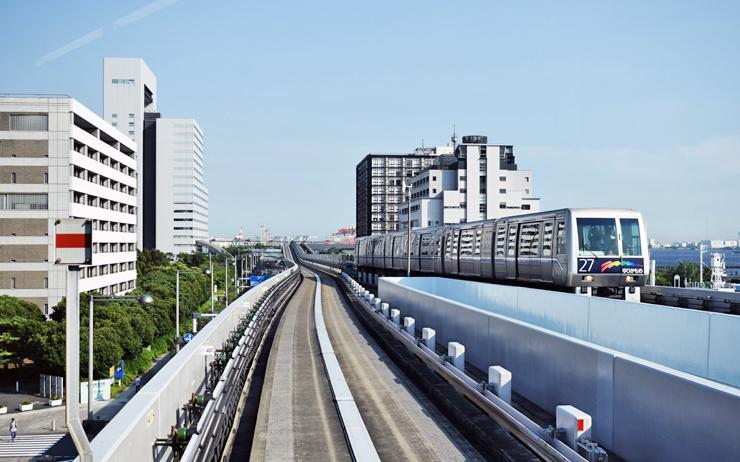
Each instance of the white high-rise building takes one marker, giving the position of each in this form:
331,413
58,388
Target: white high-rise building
480,182
129,91
181,194
58,159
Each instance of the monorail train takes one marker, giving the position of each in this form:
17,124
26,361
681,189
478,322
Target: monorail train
571,249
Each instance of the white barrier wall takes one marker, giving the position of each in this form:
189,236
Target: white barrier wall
697,342
151,412
640,410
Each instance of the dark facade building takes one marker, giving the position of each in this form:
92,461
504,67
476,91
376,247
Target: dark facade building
379,187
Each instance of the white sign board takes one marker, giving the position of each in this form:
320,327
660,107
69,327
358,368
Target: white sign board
73,241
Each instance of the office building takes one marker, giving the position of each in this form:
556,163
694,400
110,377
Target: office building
380,187
480,182
181,197
129,93
60,160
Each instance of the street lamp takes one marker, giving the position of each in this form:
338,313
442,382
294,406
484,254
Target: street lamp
408,225
177,303
226,277
145,299
210,266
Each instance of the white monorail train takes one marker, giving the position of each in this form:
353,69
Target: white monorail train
572,249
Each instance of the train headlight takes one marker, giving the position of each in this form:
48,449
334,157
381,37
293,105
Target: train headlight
588,278
630,279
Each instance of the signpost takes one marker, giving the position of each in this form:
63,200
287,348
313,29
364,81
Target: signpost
73,247
187,337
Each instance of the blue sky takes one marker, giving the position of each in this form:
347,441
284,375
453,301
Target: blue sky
618,104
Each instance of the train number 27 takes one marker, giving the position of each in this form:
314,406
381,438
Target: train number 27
585,265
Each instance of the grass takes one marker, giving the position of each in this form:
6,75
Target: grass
140,364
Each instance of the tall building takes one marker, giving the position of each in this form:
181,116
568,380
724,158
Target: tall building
60,160
380,187
129,92
181,195
481,181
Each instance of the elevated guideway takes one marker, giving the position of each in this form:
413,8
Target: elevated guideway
330,393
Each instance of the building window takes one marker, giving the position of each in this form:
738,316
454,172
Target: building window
12,283
131,115
12,201
114,115
29,122
46,283
502,190
502,178
502,205
131,132
46,309
131,124
13,178
526,178
526,191
115,124
525,206
46,178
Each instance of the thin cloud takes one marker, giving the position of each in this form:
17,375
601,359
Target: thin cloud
142,13
98,33
71,46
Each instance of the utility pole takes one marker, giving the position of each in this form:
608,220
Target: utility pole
408,242
177,311
213,296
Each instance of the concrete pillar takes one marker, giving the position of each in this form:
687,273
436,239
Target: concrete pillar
499,382
575,424
456,355
428,337
408,326
384,308
395,316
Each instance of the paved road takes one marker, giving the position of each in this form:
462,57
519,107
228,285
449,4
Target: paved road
401,422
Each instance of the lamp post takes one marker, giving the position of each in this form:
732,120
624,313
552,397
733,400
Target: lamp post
226,277
213,295
177,303
144,300
408,225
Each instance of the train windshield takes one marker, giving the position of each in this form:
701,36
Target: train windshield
630,236
597,236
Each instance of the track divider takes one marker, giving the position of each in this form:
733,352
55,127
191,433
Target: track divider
360,444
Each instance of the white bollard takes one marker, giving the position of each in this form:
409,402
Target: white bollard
409,326
499,382
427,336
395,316
575,424
376,304
370,299
456,355
384,307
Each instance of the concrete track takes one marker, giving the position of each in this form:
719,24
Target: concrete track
297,419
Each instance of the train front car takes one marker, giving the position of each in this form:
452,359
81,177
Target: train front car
607,252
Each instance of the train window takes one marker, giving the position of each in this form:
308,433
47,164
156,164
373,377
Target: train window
547,239
414,244
630,236
467,241
512,241
597,236
478,233
448,243
529,240
455,242
561,238
426,241
500,241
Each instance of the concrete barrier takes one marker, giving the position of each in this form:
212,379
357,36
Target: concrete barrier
641,410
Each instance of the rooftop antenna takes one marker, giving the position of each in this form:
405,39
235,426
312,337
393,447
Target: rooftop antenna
454,138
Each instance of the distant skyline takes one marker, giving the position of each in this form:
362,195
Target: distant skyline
622,104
